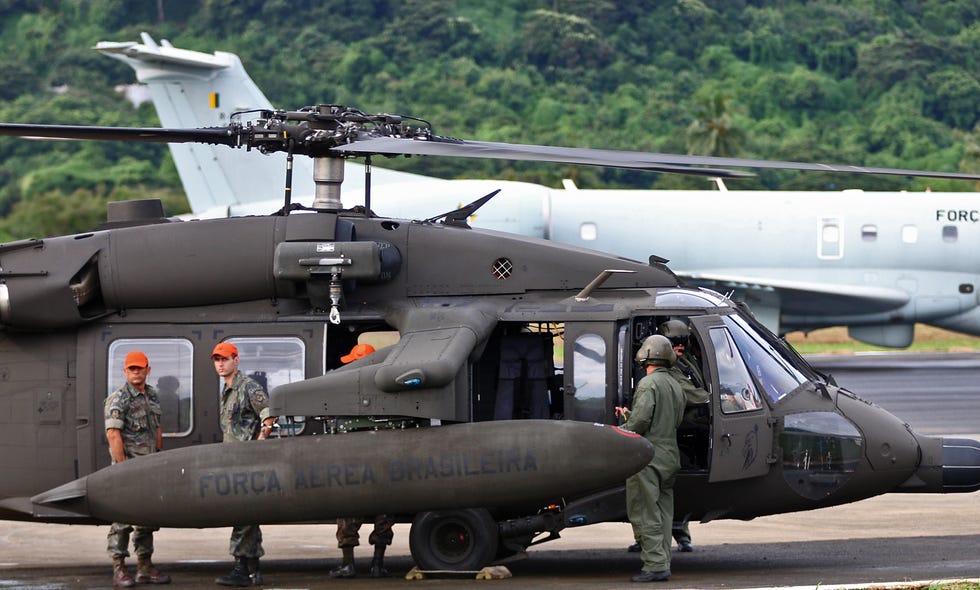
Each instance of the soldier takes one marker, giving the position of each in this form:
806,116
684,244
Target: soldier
687,371
245,415
658,408
348,529
132,427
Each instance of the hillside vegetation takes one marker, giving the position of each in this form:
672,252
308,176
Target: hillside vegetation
878,82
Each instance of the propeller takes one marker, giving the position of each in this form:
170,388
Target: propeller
332,133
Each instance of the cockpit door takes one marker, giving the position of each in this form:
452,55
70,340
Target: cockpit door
742,437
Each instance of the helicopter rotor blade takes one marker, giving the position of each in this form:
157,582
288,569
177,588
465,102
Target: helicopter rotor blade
459,148
439,146
212,135
337,131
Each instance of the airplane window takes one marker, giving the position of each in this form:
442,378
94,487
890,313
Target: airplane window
273,362
869,233
736,391
820,452
171,374
831,234
589,365
588,231
950,233
774,374
910,234
831,243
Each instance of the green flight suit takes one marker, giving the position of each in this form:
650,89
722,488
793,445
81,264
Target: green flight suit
689,376
658,408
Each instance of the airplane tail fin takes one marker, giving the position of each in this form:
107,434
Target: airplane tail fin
192,89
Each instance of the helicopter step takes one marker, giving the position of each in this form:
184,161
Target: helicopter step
520,464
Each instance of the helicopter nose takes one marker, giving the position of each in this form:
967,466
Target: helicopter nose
961,465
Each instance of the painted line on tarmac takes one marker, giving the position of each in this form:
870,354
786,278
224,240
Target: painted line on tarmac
904,585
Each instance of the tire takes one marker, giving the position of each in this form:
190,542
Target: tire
459,540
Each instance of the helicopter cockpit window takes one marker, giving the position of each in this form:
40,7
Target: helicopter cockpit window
687,299
775,375
820,452
171,374
589,362
274,361
736,391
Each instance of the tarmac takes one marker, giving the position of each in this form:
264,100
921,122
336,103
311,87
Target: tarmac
893,541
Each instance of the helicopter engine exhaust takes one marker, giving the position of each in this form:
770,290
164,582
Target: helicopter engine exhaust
520,463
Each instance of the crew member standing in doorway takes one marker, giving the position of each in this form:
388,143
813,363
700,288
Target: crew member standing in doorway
658,408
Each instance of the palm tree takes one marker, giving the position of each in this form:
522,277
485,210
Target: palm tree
713,132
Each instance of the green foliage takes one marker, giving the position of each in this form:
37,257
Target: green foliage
713,132
878,82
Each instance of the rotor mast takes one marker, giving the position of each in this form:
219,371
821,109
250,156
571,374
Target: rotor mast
328,175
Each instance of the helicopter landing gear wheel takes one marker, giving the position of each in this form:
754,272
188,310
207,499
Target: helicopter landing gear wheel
453,539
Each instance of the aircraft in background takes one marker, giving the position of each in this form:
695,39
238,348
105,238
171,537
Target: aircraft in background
876,262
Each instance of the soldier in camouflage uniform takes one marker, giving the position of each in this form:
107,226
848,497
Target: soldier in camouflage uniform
132,427
244,411
348,529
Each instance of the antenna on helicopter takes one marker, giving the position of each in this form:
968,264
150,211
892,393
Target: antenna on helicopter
585,293
458,217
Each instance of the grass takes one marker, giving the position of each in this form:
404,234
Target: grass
836,341
961,585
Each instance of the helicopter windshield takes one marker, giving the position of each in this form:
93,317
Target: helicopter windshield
774,373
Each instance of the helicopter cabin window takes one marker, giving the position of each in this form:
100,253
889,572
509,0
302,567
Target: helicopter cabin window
831,239
589,361
950,233
274,361
869,233
736,391
171,374
910,234
588,231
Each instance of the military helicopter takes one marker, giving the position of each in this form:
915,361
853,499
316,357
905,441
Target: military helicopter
486,417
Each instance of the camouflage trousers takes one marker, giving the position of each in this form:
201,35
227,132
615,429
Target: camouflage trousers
246,541
348,531
118,540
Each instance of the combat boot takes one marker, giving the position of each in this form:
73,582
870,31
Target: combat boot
253,571
147,573
345,569
378,562
120,575
239,575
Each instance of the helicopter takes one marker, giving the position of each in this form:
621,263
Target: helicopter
490,401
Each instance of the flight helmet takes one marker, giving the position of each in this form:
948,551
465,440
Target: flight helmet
656,350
